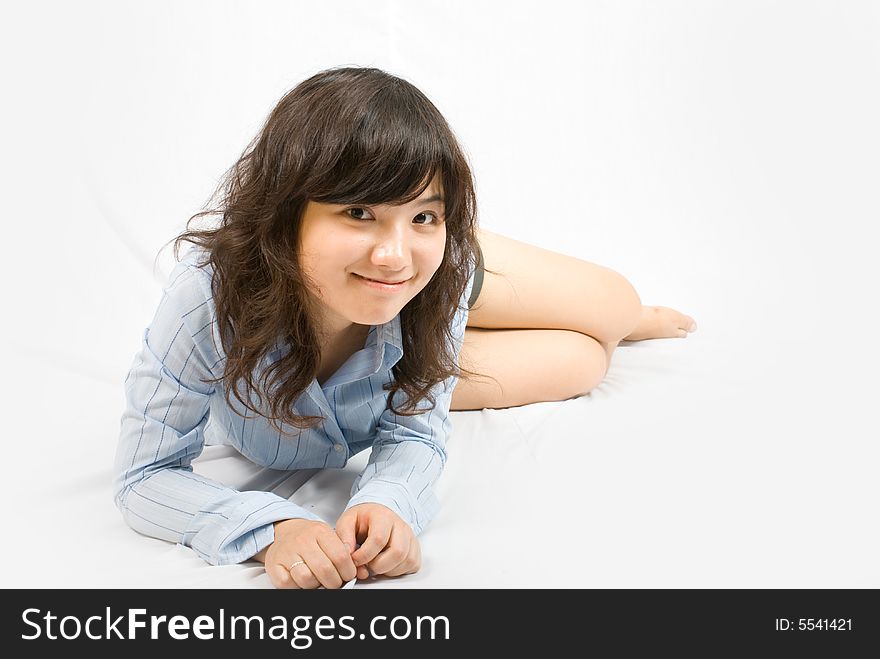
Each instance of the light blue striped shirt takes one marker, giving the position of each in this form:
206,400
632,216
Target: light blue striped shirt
167,408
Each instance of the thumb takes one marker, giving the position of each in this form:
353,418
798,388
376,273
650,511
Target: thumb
346,532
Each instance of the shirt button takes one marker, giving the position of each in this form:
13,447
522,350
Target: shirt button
338,448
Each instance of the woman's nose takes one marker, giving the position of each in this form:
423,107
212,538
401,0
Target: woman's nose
391,251
392,257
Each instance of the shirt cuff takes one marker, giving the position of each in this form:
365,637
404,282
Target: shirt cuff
247,528
398,498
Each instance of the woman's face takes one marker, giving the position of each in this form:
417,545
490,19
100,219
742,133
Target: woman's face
342,245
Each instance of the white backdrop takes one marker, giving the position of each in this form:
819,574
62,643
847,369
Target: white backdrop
723,156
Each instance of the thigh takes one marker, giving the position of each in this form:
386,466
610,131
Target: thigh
538,288
518,367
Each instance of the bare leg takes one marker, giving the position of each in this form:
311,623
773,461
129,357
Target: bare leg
536,288
544,327
560,364
609,349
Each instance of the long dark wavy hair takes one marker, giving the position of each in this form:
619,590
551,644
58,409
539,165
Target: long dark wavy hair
343,136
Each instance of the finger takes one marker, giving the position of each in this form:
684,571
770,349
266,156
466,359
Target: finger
280,577
302,575
412,563
377,537
322,567
394,553
340,558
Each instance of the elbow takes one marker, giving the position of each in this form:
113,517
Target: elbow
121,490
120,494
131,520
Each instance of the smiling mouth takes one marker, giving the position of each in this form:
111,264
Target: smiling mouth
380,281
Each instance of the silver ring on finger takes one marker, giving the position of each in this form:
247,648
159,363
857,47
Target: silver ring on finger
293,565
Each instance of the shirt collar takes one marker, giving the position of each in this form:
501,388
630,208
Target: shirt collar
385,341
388,339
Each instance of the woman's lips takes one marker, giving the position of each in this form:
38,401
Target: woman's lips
379,285
383,281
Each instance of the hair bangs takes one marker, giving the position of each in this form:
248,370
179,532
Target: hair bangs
391,154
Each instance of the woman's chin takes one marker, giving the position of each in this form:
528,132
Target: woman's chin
377,318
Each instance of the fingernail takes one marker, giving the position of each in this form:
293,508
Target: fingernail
349,547
693,327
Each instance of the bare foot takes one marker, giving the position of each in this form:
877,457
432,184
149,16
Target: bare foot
661,323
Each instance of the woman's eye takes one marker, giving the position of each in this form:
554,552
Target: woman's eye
436,219
358,213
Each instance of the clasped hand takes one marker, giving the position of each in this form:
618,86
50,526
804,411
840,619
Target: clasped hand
308,554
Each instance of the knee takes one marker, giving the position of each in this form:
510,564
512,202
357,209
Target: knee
595,362
628,309
587,368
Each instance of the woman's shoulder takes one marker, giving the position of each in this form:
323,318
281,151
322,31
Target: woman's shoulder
198,260
188,288
192,270
188,304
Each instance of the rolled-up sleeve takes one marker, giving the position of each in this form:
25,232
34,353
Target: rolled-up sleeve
409,452
162,430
